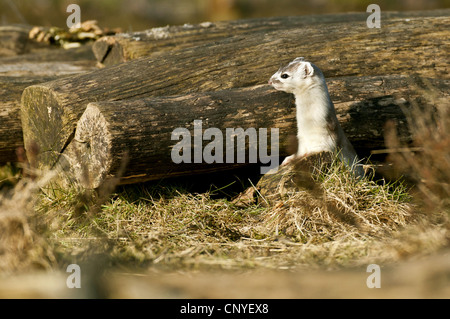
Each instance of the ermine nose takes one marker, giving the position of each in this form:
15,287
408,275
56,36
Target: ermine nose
270,82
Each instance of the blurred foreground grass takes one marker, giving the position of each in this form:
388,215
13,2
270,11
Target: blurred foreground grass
352,223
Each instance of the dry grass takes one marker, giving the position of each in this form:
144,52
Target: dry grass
345,208
344,222
427,162
21,245
351,223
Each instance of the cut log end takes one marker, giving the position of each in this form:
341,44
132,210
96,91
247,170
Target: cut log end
43,123
89,153
108,51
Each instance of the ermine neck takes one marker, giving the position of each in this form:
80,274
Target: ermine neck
314,109
315,100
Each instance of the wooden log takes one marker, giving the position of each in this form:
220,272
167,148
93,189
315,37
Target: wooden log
82,53
17,73
14,40
49,62
10,125
142,128
50,111
124,47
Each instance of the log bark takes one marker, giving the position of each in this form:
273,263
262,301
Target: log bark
50,111
14,40
10,124
142,128
49,62
17,73
154,42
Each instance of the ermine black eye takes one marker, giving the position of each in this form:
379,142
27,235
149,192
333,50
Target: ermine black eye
284,76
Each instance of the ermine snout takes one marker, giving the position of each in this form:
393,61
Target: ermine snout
273,81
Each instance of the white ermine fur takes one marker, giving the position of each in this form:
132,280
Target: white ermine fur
318,126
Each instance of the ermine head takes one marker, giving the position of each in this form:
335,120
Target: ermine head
296,76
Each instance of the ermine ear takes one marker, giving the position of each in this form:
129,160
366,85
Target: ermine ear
306,70
300,59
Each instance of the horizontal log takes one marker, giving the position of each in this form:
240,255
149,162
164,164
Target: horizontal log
19,72
124,47
49,62
142,128
14,40
50,111
82,53
10,124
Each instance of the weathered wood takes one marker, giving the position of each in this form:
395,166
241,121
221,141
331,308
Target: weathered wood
142,128
124,47
82,53
49,62
10,125
50,111
17,73
14,40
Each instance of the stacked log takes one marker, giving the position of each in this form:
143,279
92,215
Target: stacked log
20,71
140,130
214,73
15,40
124,47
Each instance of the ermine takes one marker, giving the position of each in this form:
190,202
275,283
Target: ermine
318,127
